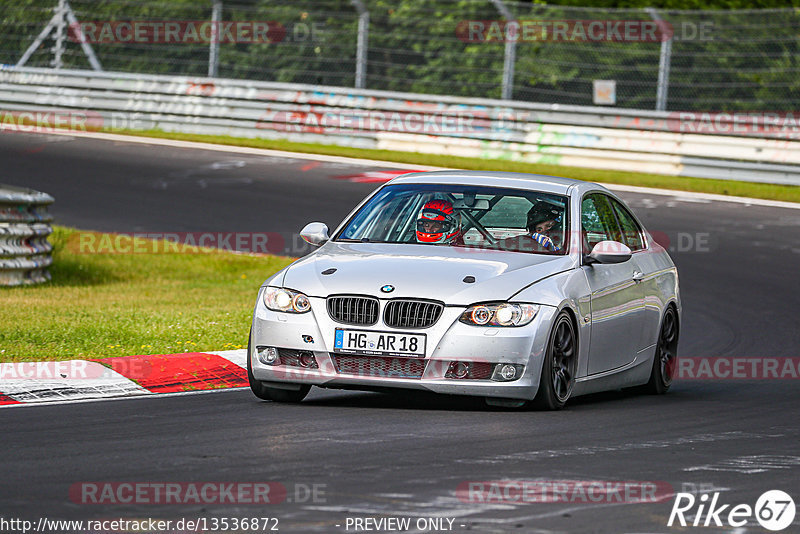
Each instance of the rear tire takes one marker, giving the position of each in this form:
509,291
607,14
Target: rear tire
267,393
666,355
559,367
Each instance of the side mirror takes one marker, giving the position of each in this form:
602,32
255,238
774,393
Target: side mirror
609,252
315,233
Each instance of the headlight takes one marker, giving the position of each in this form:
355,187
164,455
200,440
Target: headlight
286,300
502,314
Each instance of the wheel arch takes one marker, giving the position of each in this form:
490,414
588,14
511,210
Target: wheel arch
567,307
573,315
672,303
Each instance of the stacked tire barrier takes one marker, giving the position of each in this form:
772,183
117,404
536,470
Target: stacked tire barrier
24,227
716,146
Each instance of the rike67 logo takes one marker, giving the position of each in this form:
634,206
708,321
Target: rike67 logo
774,510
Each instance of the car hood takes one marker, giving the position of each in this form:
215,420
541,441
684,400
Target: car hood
420,271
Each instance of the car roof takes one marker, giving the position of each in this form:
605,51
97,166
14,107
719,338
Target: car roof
514,180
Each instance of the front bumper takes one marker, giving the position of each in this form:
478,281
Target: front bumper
447,341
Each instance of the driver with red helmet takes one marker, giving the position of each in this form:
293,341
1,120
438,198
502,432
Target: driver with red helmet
438,222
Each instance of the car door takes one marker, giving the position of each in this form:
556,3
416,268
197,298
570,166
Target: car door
617,299
633,236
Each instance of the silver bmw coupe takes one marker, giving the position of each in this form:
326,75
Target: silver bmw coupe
522,289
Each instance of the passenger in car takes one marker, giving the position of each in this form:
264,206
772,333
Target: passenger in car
545,231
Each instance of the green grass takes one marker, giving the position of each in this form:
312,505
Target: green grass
702,185
103,305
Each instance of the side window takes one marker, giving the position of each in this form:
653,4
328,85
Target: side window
597,222
631,231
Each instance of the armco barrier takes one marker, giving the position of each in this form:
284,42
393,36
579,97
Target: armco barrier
594,137
24,227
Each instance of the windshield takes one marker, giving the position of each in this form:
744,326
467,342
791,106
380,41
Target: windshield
457,215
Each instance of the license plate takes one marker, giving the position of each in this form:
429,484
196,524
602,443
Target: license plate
379,343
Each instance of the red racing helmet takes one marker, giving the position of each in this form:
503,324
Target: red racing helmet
438,222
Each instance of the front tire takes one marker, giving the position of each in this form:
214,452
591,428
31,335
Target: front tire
267,393
666,355
559,367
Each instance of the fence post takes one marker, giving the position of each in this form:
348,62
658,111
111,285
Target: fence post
58,48
361,46
664,59
510,55
62,10
213,48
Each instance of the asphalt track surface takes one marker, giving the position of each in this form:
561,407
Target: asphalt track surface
404,455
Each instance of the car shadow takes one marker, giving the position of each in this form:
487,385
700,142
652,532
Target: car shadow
683,392
398,400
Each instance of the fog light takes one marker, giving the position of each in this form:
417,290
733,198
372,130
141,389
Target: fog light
307,360
509,372
268,355
506,372
469,370
460,370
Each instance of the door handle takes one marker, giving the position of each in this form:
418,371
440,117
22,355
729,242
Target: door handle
638,276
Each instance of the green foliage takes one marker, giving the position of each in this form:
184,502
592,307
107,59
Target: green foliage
681,4
721,60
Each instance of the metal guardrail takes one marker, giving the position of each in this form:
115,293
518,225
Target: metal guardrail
24,227
594,137
700,59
